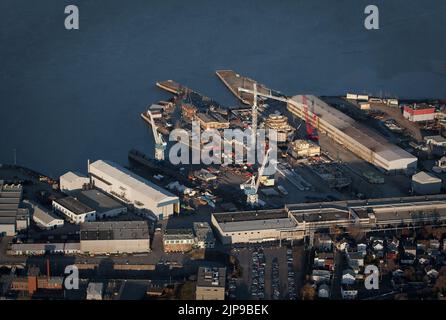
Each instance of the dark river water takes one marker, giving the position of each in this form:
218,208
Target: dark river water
69,96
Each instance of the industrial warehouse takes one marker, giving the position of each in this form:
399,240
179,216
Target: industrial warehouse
115,237
12,217
298,221
362,141
129,188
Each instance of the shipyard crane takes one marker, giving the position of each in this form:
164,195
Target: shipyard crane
311,127
160,144
311,123
252,185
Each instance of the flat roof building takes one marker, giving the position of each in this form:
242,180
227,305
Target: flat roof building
178,240
255,226
145,196
104,205
74,210
297,221
211,283
362,141
115,237
204,237
37,249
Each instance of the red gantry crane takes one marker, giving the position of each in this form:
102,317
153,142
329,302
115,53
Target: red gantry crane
311,123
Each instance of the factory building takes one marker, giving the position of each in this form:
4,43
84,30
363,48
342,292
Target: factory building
211,284
362,141
302,220
419,113
425,183
256,226
104,205
147,198
304,149
115,237
12,217
204,237
178,240
72,181
74,210
45,219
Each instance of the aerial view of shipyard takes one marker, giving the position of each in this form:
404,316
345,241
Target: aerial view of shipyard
222,150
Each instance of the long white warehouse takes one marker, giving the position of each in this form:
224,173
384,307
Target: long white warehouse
133,190
362,141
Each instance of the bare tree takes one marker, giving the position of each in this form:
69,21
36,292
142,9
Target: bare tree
308,292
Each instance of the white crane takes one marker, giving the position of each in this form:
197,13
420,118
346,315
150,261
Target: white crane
254,111
160,144
252,185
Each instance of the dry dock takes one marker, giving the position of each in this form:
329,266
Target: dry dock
233,81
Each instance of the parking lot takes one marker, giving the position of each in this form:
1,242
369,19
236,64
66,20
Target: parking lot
269,273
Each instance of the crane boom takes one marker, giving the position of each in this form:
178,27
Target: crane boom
160,144
262,169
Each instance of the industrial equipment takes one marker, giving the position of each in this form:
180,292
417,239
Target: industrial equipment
160,144
252,185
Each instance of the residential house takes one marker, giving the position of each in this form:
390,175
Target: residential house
378,245
324,260
407,258
323,291
355,260
410,249
362,247
434,244
348,277
392,246
422,245
321,276
349,292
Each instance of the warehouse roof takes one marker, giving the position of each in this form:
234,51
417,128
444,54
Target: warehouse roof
133,181
424,177
360,133
74,205
98,200
172,234
250,215
55,246
255,220
115,230
44,216
10,196
73,176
